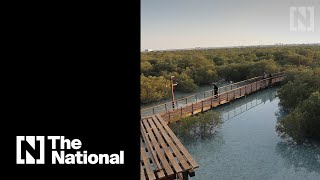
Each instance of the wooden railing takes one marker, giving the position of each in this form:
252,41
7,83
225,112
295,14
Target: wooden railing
190,105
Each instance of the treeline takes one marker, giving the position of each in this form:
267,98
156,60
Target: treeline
194,68
300,101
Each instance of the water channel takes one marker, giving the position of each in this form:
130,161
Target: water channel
246,146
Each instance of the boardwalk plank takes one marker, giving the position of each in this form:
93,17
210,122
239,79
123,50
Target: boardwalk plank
142,176
182,148
160,154
149,146
147,165
163,129
166,149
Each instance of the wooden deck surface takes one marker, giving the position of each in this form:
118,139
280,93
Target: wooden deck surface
162,154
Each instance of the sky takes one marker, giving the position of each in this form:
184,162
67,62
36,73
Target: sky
178,24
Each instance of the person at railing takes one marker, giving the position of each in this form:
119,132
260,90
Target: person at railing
264,75
215,89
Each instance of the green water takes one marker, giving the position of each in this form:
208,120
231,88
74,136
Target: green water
247,146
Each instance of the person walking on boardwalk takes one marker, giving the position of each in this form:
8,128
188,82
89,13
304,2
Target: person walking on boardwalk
264,75
215,89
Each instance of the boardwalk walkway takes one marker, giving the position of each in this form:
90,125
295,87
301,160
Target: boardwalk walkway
162,154
192,105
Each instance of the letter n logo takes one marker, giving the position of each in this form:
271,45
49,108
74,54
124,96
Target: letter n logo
30,149
302,19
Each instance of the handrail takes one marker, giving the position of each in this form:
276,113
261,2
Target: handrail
226,92
209,91
197,107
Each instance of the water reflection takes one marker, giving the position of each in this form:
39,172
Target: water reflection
193,129
247,146
245,104
201,126
300,156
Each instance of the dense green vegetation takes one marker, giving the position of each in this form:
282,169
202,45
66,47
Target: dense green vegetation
299,96
300,101
194,68
153,88
201,126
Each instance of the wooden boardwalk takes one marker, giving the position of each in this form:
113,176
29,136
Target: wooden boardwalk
216,100
162,154
226,90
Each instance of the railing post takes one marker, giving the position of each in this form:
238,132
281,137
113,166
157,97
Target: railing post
181,113
211,103
192,108
165,106
260,85
185,175
267,82
227,95
202,106
169,116
245,90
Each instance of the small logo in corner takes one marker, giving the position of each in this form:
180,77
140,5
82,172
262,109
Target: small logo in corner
30,149
302,19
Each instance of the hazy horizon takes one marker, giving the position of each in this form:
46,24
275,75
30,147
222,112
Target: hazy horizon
181,24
